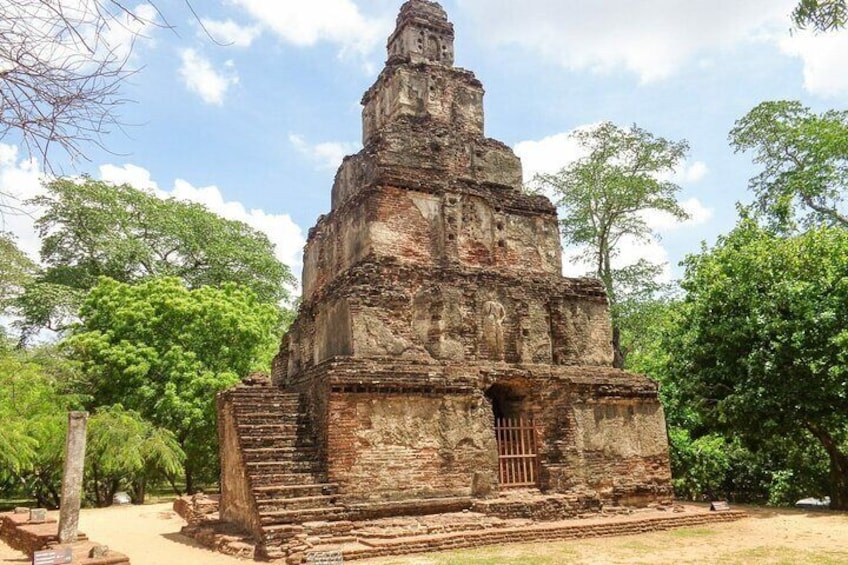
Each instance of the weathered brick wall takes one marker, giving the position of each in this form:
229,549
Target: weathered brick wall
472,230
396,446
387,426
386,309
236,504
607,435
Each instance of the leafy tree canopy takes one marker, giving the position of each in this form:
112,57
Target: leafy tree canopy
125,451
91,229
163,350
766,344
805,162
821,15
35,395
16,269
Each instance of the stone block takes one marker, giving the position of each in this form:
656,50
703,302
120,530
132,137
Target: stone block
37,515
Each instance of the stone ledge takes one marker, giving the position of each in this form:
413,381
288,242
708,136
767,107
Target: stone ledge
560,531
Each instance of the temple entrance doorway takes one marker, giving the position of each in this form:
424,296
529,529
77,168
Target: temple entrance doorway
517,438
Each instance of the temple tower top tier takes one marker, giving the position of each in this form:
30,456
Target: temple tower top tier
420,82
423,35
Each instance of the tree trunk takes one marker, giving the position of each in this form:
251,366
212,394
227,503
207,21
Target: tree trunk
838,468
113,487
606,276
139,490
189,480
173,482
618,356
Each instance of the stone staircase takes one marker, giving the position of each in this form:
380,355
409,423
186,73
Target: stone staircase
283,470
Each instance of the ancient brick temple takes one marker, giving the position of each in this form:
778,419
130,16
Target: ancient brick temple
439,357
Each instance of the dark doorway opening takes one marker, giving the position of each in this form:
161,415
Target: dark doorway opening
517,438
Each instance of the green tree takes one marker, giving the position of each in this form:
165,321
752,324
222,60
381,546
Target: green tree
35,395
604,196
821,15
91,229
125,451
16,269
164,350
766,348
805,162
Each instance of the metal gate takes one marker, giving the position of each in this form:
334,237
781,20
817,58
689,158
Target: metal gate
518,457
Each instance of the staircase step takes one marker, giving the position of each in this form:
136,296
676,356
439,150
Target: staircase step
295,503
300,516
271,455
275,534
290,490
263,390
256,419
271,427
267,411
281,479
281,442
260,469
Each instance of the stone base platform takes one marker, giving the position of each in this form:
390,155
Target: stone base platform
402,535
19,533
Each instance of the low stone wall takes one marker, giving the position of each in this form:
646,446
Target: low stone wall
198,508
20,534
402,535
559,531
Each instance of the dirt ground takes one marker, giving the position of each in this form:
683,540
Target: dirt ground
150,536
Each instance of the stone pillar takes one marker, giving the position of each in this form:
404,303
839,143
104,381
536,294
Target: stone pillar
72,477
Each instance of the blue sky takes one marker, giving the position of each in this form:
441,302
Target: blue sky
255,125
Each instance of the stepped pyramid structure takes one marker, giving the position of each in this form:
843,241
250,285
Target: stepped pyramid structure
439,357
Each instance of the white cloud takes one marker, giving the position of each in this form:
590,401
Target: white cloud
283,232
327,155
651,39
307,23
201,78
133,175
694,173
20,180
229,32
825,58
550,154
665,222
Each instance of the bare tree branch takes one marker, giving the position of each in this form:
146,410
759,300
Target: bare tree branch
62,68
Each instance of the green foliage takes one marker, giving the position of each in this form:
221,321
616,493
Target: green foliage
604,194
16,269
125,451
699,466
821,15
766,340
164,351
91,229
34,399
805,162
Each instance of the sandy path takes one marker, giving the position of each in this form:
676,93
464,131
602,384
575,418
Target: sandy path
150,536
